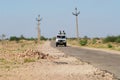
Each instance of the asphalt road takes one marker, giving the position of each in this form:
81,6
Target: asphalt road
100,59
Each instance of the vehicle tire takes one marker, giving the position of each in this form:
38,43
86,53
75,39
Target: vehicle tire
65,45
56,45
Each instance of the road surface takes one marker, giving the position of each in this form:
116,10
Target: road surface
100,59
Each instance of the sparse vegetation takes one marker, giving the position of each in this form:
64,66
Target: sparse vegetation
84,41
110,46
17,39
10,52
112,39
2,59
109,42
94,41
14,38
27,60
118,40
13,54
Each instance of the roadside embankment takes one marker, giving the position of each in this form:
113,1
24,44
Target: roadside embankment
56,66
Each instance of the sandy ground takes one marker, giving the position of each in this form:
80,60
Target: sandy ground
57,66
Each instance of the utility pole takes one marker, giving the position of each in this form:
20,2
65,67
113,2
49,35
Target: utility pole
76,14
39,32
3,36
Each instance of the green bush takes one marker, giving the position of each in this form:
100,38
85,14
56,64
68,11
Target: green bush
94,41
118,40
83,42
27,60
110,46
2,59
110,39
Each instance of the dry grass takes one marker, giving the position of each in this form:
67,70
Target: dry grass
98,44
14,53
73,42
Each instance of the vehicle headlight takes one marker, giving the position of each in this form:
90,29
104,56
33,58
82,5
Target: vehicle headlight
64,40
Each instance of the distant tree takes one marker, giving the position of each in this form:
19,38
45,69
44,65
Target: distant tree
85,37
97,38
31,38
112,39
54,38
109,39
50,39
3,36
43,38
118,39
14,38
22,37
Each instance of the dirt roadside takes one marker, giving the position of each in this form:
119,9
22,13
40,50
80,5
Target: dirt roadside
57,66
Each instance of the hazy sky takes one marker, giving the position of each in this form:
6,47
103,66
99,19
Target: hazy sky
98,18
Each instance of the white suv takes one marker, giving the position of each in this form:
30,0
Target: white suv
61,39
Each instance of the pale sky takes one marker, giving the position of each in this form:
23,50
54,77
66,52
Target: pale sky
98,18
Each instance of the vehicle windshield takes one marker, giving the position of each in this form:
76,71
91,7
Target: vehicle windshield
60,36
